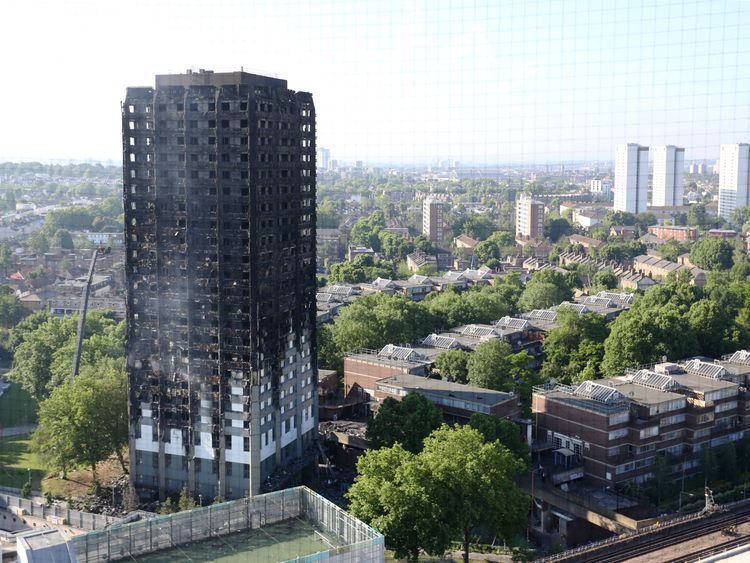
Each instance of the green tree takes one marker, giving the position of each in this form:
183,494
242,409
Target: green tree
494,429
661,486
366,230
452,365
489,303
457,487
542,295
449,308
393,246
422,243
546,288
43,359
85,422
407,422
389,495
643,335
186,501
486,250
712,254
621,251
488,365
727,462
6,258
327,216
12,310
740,216
52,440
574,344
672,249
712,326
10,199
554,229
37,242
168,506
709,464
697,216
375,320
63,239
473,483
604,280
479,227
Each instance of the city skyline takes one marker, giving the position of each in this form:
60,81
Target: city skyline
511,83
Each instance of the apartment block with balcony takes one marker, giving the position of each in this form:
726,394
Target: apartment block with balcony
617,427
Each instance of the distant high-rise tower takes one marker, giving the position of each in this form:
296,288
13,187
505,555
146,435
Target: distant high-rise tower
324,156
219,177
529,218
631,178
599,186
669,168
432,220
734,178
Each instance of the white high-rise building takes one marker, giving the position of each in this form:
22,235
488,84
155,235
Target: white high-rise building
631,178
734,178
669,168
599,186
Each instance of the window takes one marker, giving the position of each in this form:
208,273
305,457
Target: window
617,434
722,407
670,420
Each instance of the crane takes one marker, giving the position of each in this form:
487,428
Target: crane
84,307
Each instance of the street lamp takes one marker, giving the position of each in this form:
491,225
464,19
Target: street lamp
200,499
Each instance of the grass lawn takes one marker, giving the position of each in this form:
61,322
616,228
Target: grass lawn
17,408
15,462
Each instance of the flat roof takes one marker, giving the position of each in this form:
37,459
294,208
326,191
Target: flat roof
641,394
440,387
211,78
702,384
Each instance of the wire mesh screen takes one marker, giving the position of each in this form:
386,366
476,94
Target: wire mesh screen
252,527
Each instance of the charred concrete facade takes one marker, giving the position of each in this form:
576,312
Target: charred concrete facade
219,196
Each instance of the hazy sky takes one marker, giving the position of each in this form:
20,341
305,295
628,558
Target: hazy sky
488,81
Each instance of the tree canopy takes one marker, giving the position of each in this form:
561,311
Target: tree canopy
452,365
407,422
712,254
457,487
573,350
546,288
44,356
85,422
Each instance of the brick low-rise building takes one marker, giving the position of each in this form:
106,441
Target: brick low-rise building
670,232
364,368
617,427
457,401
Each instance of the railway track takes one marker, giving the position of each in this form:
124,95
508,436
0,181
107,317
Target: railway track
661,539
